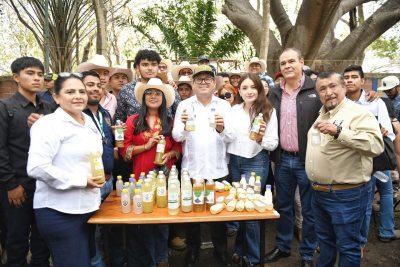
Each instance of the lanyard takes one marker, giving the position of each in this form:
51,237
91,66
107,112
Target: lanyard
99,123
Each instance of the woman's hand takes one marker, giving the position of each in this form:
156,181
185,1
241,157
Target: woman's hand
92,182
168,156
152,141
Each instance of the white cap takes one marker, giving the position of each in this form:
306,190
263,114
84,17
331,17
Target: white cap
388,83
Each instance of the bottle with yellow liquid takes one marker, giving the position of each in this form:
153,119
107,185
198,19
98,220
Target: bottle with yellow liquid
255,127
96,165
161,190
210,193
190,125
119,134
186,193
160,151
147,197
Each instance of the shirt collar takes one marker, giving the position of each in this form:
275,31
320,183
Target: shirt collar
25,102
335,110
64,116
301,83
361,100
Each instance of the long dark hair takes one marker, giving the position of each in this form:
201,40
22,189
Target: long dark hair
261,104
141,123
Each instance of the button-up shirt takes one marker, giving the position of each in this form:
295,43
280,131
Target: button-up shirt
110,103
242,145
204,149
288,120
347,159
59,160
15,140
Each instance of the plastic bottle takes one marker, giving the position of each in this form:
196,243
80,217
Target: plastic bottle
173,179
161,185
147,195
198,195
142,176
268,197
173,199
160,151
252,180
190,125
96,165
210,193
186,194
381,176
118,185
132,185
257,185
211,118
119,134
137,202
255,127
315,136
125,201
243,182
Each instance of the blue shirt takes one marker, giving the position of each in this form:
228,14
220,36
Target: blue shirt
108,138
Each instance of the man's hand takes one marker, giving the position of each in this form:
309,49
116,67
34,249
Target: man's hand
33,118
92,182
371,96
384,131
219,123
17,196
326,127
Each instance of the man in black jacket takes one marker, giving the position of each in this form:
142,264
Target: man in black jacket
297,105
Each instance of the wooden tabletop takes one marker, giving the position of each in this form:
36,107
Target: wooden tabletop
110,213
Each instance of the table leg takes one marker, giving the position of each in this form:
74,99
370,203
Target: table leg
262,242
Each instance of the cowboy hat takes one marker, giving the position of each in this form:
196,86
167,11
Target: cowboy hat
177,68
235,72
167,62
96,62
262,63
155,83
184,79
121,69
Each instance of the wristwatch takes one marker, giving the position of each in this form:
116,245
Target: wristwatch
338,131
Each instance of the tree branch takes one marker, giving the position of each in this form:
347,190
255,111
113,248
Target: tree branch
379,22
281,19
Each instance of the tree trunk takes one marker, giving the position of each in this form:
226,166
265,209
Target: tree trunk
101,21
265,30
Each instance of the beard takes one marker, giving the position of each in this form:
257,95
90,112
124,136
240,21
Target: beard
93,102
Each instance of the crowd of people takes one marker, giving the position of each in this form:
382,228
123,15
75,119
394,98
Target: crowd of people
317,146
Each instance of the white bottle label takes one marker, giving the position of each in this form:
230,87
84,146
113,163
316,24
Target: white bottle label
161,191
210,198
147,196
173,200
186,197
256,126
160,148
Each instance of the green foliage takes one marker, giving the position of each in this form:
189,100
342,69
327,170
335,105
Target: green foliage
387,47
188,29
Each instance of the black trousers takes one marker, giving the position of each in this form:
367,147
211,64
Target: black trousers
22,234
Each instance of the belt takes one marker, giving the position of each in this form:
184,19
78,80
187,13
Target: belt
291,153
334,187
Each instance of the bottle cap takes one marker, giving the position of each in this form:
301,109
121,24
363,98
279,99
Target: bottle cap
253,173
131,180
160,172
137,191
124,190
268,186
258,177
126,184
119,177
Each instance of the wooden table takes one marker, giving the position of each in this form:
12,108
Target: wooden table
110,213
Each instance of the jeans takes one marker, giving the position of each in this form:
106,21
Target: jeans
239,165
339,216
386,225
107,188
289,173
68,236
147,244
22,233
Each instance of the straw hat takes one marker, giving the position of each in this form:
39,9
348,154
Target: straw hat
184,79
167,62
262,63
121,69
155,83
389,82
96,62
177,68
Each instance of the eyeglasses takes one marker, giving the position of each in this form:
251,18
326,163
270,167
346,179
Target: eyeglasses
70,74
225,96
153,92
200,80
185,72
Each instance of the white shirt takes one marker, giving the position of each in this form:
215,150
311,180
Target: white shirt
204,149
242,145
379,110
59,161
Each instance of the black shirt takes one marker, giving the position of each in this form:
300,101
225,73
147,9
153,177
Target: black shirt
15,139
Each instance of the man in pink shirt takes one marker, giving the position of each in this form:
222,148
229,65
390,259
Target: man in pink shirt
297,105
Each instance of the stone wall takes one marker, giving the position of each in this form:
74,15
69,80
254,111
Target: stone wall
7,86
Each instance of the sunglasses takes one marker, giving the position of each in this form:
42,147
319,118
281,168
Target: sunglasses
225,96
50,76
70,74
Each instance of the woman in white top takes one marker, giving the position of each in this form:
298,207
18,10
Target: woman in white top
66,193
248,156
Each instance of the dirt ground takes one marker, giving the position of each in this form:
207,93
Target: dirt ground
376,253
